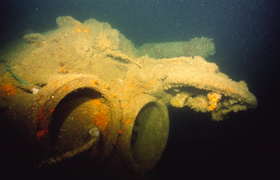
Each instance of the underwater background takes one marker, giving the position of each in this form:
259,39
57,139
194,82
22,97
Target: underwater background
246,37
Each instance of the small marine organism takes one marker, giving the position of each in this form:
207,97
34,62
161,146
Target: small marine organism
213,98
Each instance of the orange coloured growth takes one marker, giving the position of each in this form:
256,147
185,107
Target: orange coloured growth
96,102
63,70
213,98
101,119
86,31
7,90
212,106
78,30
95,82
128,121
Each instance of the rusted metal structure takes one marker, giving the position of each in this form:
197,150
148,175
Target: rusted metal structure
84,88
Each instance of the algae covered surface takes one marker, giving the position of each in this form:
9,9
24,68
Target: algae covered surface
179,77
201,59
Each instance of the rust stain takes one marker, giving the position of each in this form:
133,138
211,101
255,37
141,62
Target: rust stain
8,90
41,133
40,121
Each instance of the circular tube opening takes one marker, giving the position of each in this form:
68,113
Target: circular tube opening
149,135
75,115
71,107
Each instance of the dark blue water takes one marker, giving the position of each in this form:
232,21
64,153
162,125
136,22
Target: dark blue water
242,30
245,33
